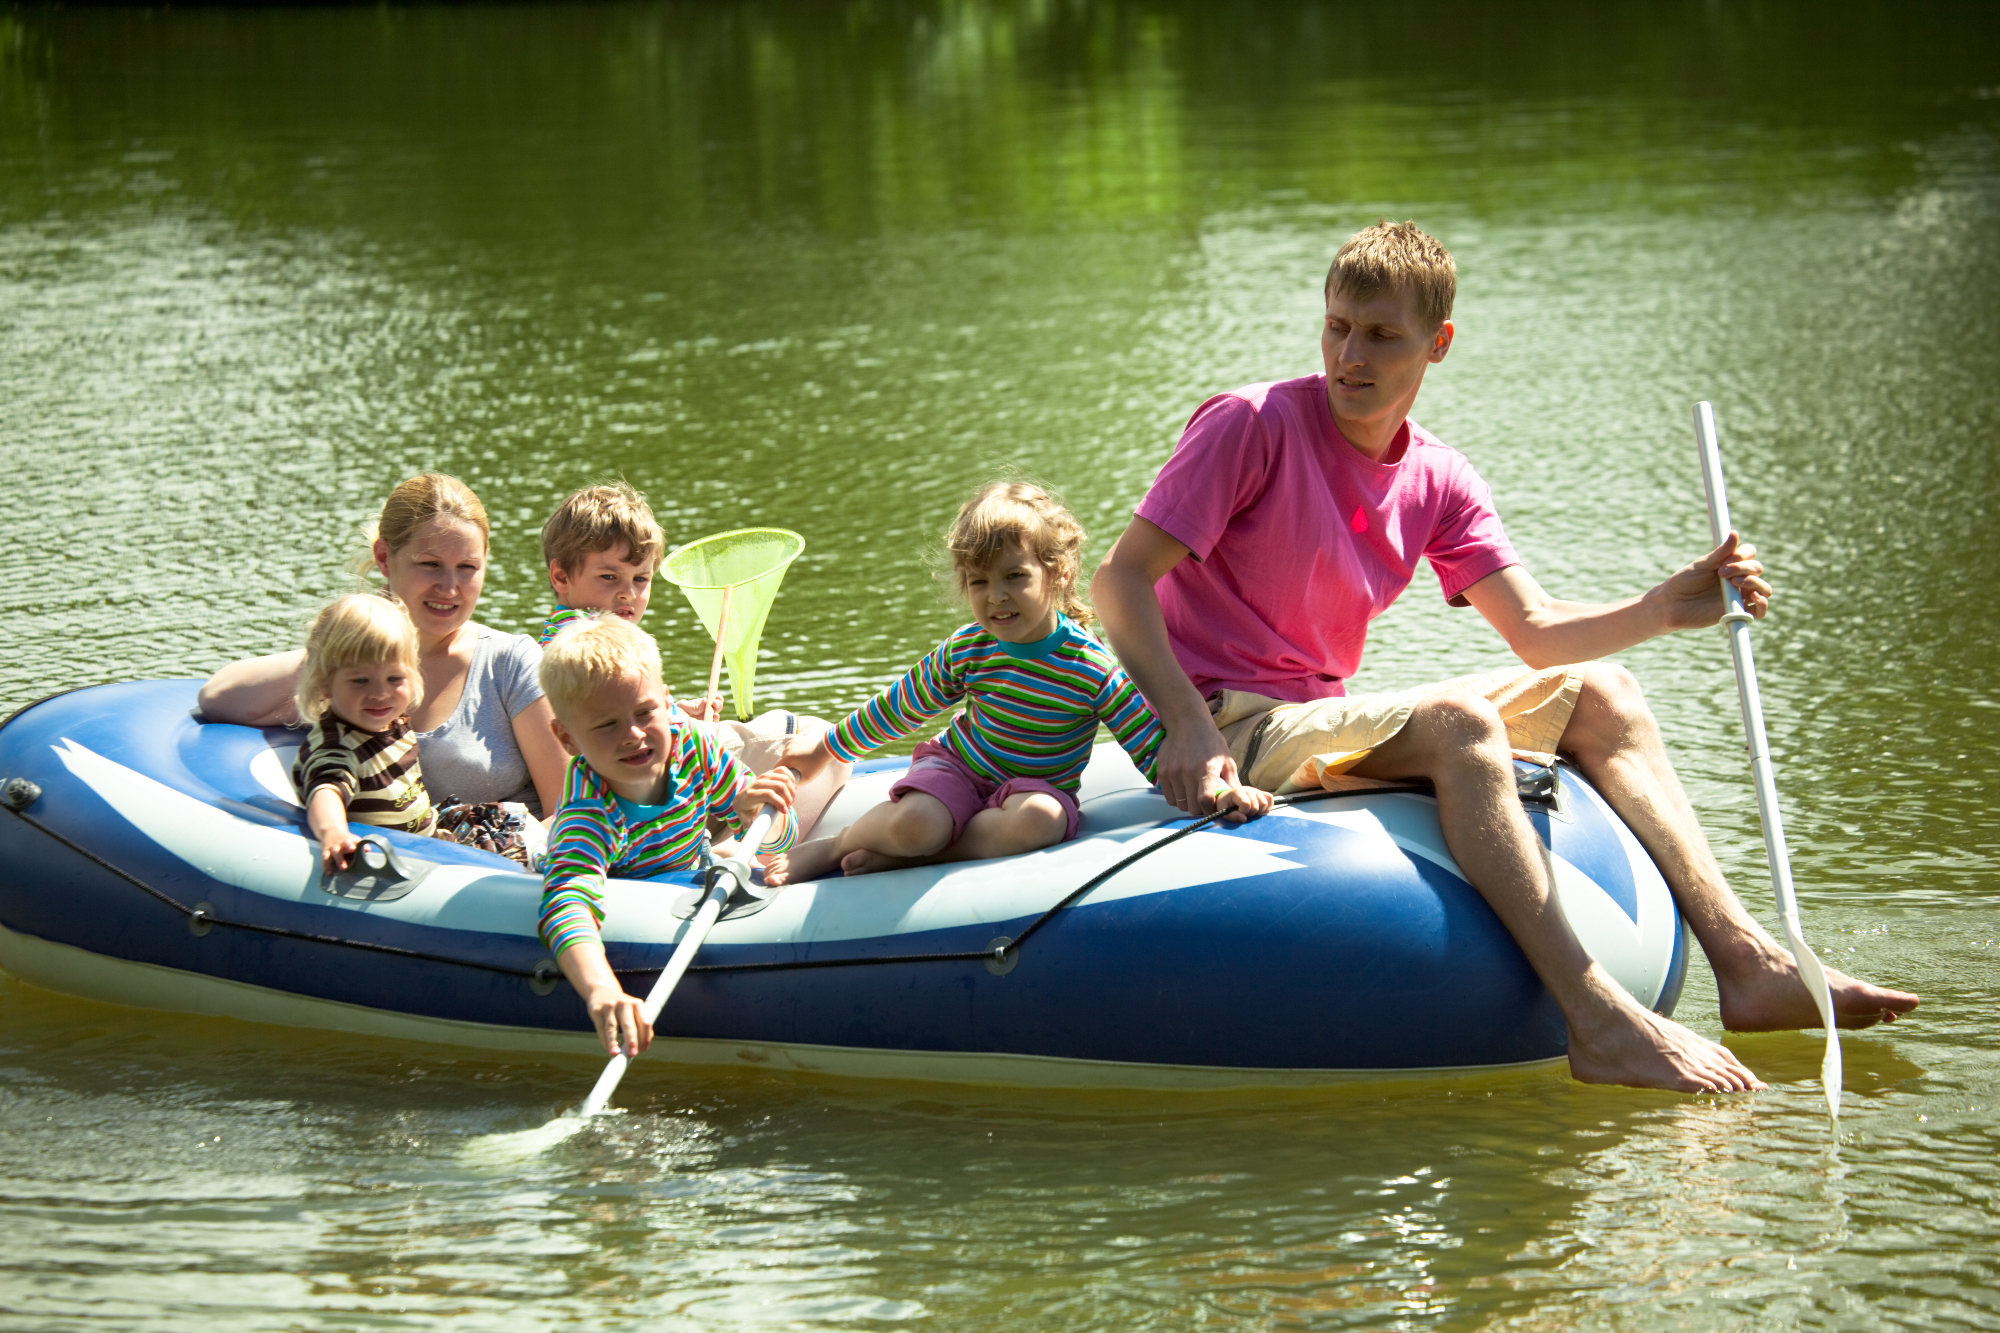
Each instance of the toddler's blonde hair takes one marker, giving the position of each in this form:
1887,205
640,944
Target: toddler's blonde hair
607,517
591,653
1028,513
359,629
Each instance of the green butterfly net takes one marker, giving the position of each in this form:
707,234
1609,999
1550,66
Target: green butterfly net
731,579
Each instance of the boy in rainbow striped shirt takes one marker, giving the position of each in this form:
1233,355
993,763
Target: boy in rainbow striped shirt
642,785
1003,778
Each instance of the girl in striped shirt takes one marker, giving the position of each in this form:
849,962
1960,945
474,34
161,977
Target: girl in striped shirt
1002,778
359,760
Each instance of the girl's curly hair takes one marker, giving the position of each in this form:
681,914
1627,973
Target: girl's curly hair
1032,515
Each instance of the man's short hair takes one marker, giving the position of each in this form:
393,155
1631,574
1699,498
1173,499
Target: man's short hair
608,517
590,653
1394,256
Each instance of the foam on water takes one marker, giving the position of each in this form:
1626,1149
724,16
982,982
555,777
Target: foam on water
492,1151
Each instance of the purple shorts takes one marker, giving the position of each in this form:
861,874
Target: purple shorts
937,772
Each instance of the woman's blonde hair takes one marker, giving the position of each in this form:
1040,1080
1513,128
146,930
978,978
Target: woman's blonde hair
590,653
1028,513
414,503
359,629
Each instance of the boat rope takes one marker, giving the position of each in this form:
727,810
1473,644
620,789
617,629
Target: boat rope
999,952
203,914
1536,789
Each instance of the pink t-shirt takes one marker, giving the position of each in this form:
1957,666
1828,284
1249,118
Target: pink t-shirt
1300,539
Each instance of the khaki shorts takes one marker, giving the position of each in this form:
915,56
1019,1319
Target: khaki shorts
1282,746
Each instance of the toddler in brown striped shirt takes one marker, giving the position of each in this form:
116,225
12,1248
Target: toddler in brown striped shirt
359,761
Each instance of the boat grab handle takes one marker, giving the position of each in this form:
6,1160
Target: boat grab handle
381,858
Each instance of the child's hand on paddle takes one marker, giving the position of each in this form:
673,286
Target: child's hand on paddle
776,787
620,1020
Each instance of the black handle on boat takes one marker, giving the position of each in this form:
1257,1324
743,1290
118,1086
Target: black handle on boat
381,858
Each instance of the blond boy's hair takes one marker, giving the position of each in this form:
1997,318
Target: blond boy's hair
1027,513
1397,256
607,517
359,629
591,653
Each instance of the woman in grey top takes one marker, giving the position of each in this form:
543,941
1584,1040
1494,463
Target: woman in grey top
483,729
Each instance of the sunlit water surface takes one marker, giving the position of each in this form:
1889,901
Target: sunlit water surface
825,266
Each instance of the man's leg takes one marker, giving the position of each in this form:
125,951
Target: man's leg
1458,741
1615,741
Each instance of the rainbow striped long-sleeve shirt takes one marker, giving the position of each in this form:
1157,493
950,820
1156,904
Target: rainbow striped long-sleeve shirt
595,834
1031,709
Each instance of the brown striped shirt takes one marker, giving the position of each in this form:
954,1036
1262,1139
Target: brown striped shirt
374,773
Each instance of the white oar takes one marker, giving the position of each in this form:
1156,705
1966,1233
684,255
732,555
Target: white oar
1739,621
496,1149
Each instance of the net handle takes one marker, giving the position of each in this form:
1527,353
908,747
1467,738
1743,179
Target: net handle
721,637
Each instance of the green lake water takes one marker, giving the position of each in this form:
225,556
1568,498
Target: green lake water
826,265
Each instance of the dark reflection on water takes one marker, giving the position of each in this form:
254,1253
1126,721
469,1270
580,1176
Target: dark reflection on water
824,265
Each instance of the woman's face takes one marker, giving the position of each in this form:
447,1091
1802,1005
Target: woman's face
437,574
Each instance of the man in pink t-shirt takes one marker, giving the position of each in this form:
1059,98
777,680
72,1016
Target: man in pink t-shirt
1292,514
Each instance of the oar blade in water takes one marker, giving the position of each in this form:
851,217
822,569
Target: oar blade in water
1814,975
502,1150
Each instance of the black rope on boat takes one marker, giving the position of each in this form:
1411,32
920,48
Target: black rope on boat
999,953
1537,789
198,914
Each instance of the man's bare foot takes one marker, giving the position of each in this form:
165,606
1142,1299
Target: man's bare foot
865,861
808,860
1766,995
1637,1048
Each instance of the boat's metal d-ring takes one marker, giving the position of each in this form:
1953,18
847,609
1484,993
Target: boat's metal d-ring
202,919
376,873
545,978
1001,956
381,858
17,794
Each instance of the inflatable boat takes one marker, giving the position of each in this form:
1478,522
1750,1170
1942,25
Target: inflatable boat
151,859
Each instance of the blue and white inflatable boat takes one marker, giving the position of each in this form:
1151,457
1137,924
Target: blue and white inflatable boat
152,860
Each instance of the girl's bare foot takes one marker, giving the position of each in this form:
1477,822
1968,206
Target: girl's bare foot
865,861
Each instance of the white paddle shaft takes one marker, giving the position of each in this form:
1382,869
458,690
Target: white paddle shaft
1739,621
733,872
